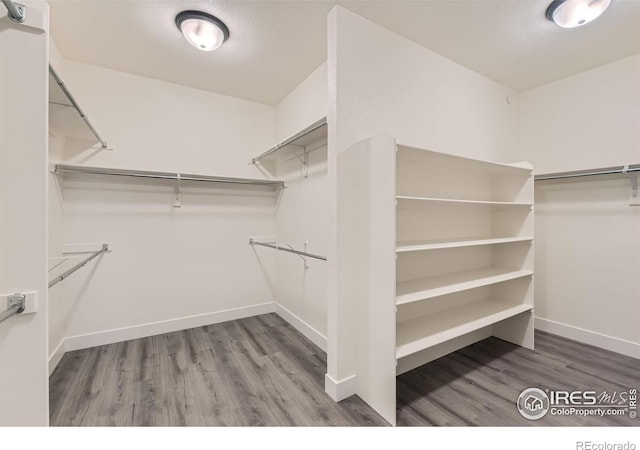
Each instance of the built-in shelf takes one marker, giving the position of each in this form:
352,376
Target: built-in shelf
426,288
463,164
427,331
457,243
414,306
453,202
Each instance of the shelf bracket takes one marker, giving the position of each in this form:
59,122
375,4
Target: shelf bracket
305,164
634,198
304,159
177,193
304,260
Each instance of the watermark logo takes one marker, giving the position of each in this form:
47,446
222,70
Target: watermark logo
533,404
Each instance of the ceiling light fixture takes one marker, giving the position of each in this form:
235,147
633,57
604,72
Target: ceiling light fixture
203,31
575,13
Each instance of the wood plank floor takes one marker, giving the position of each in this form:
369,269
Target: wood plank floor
261,372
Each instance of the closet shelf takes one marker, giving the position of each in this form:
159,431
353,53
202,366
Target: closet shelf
310,134
427,331
446,201
426,288
68,169
66,115
403,247
463,164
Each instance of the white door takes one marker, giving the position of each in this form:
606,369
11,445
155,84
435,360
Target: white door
24,385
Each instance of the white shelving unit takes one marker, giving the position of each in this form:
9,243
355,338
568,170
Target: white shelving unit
436,286
444,249
455,243
437,328
458,202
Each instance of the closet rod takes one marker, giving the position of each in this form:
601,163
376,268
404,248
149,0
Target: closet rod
84,117
16,11
624,170
57,280
285,249
313,127
60,168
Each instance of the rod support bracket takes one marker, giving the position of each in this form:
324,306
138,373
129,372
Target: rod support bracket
304,260
16,300
634,198
19,14
177,193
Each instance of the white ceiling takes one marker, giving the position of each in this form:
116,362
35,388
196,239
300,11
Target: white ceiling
274,45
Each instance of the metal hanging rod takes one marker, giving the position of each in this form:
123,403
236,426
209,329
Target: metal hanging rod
624,170
16,12
61,169
311,128
84,117
285,249
15,305
82,263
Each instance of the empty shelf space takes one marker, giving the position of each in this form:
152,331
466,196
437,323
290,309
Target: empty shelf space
457,243
426,288
461,163
425,332
445,201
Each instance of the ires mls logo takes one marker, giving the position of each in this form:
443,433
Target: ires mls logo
534,403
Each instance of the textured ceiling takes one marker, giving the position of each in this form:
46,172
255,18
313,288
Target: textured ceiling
274,45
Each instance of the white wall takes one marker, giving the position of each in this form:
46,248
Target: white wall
169,268
24,387
585,121
587,236
304,105
380,82
302,211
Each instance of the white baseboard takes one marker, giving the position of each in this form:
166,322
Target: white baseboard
339,390
83,341
589,337
167,326
303,327
56,356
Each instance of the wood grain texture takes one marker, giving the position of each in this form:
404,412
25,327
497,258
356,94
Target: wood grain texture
479,385
257,371
261,372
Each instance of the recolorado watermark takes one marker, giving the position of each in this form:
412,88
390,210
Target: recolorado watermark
535,403
588,445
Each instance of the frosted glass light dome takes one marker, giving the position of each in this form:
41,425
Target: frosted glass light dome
204,31
575,13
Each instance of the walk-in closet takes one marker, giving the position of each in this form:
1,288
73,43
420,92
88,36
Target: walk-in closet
319,213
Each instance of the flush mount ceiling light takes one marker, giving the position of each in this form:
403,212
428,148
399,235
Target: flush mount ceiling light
575,13
203,31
